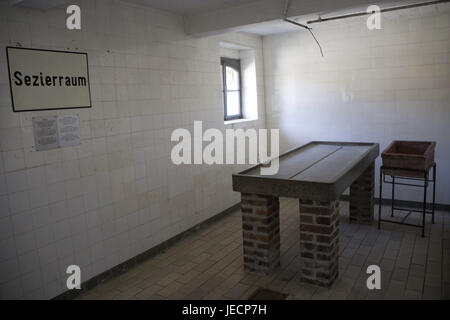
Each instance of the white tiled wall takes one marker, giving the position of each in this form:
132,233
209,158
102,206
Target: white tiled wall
374,86
117,194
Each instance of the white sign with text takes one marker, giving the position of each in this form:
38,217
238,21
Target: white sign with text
48,79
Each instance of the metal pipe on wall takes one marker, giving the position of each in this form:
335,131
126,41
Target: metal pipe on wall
351,15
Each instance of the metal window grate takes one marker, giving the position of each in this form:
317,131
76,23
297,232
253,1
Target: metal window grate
266,294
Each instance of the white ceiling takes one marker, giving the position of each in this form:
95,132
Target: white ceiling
193,8
189,6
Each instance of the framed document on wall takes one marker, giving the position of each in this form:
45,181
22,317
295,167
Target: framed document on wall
48,79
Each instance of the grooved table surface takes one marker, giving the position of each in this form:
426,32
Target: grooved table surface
322,170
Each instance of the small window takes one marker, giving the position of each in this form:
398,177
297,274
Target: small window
231,88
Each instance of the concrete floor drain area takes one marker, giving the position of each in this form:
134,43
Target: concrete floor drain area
266,294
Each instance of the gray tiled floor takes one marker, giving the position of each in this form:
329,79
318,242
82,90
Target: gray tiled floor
208,264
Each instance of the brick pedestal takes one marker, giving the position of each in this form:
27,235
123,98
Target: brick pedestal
261,232
319,241
362,197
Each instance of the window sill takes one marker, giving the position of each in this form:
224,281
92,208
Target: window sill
239,121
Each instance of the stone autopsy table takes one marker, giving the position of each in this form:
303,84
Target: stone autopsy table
317,174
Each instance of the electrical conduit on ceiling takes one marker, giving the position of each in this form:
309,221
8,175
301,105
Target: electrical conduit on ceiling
285,18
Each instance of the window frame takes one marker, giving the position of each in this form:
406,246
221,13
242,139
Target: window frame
236,65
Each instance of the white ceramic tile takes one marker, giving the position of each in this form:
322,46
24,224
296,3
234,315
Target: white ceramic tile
9,269
13,160
33,158
4,206
36,177
25,242
38,197
78,224
11,139
31,283
44,236
403,68
62,186
7,249
3,187
61,230
28,262
56,192
19,202
73,188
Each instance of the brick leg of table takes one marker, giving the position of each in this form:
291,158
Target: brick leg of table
362,197
319,242
261,232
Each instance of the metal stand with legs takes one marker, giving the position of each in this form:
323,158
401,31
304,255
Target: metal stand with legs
394,182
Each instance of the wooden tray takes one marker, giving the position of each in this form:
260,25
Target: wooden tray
404,156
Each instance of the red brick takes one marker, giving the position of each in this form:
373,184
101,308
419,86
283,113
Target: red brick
306,218
321,256
323,220
261,233
306,237
316,228
362,197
